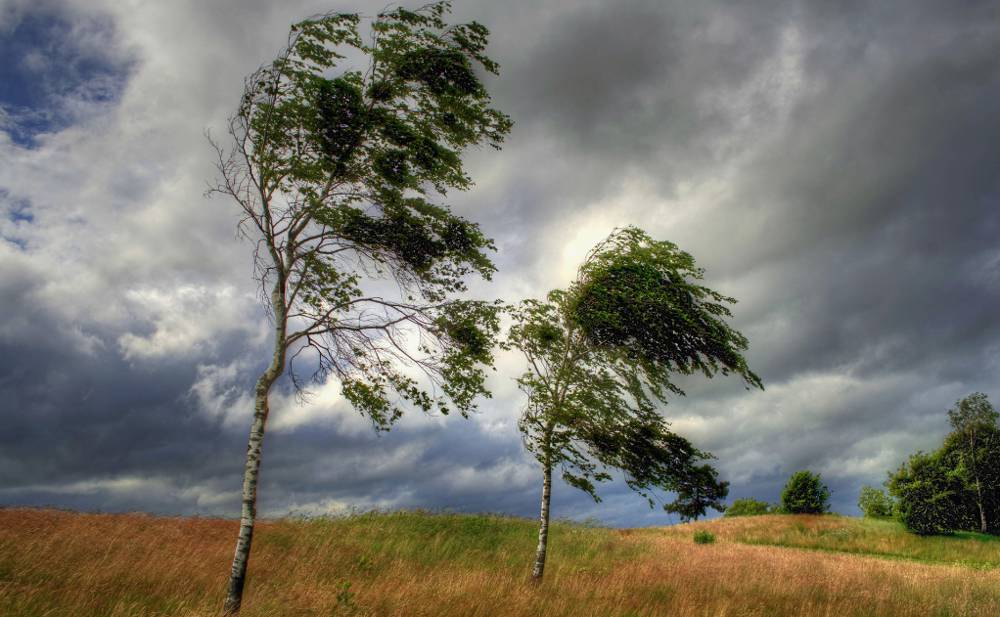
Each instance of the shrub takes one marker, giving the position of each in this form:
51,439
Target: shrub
875,503
805,493
703,537
748,507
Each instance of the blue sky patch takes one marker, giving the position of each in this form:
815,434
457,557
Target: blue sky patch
17,213
58,67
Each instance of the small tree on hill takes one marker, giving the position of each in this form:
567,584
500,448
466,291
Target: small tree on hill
805,493
748,506
874,502
601,357
334,171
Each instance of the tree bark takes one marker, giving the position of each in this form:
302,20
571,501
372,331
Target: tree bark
979,502
237,576
543,528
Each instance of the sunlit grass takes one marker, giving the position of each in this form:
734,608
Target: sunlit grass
415,564
867,536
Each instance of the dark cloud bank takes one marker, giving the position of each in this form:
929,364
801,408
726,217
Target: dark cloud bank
832,165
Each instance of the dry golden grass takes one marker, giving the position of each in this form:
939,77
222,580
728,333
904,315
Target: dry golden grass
57,563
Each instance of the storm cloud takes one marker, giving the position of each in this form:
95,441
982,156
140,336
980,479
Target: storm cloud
833,165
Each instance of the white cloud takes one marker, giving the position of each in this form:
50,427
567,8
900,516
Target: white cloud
501,475
186,320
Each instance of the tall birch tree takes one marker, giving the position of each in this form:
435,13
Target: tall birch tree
974,438
337,172
601,359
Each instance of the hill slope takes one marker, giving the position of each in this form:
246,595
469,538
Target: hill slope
411,564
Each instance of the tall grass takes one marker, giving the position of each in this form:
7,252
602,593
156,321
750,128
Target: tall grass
414,565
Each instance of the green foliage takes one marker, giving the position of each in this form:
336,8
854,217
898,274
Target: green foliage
972,451
929,495
640,298
592,401
956,487
974,412
704,537
338,169
748,506
346,602
874,503
805,493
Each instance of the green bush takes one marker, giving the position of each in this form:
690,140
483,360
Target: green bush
703,537
874,503
749,507
805,493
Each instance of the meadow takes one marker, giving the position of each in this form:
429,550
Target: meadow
56,563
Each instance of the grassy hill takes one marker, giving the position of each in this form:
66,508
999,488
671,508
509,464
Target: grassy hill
412,564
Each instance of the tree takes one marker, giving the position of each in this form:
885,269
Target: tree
874,503
956,487
748,507
805,493
601,356
974,435
929,495
336,175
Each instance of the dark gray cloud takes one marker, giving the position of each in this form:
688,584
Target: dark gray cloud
832,165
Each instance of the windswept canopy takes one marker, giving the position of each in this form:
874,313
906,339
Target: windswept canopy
601,357
641,299
337,169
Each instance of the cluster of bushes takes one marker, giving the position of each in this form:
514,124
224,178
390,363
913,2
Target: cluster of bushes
804,493
750,507
956,487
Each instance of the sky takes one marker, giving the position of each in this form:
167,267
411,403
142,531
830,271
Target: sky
832,165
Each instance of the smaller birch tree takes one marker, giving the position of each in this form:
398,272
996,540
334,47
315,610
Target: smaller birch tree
601,358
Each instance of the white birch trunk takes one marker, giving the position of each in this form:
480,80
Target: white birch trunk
543,528
237,576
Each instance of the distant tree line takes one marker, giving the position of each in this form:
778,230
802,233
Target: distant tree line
804,493
953,488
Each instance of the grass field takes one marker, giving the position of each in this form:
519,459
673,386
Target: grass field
411,564
840,534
